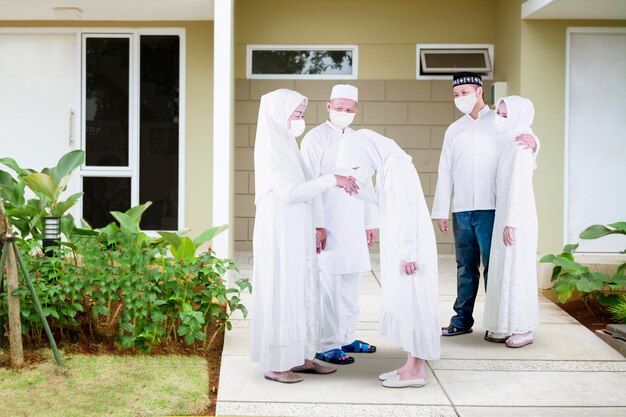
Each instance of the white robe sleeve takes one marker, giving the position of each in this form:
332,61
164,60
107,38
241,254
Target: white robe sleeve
312,150
407,207
371,209
367,193
305,191
443,192
521,188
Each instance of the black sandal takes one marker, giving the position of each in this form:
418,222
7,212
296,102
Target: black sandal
454,331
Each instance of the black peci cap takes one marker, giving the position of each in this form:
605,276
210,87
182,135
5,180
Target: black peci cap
461,78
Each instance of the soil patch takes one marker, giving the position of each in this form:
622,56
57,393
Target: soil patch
592,317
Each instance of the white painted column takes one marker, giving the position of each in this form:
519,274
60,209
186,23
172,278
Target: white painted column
223,88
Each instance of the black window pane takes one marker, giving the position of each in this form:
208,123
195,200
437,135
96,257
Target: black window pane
159,112
302,62
103,195
455,60
106,101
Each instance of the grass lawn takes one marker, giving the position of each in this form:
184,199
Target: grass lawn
93,386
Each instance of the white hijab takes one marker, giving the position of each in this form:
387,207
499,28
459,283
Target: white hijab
520,114
277,160
368,151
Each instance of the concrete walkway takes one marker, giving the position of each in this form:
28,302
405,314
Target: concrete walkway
567,372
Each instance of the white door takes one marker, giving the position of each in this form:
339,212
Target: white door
37,97
596,138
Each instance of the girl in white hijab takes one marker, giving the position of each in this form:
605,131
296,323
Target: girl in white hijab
511,308
286,286
408,252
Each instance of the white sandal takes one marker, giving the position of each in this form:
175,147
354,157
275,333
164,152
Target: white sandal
395,382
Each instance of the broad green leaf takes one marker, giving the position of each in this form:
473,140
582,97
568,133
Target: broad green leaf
185,251
136,212
6,180
570,248
556,271
10,162
60,208
69,245
568,264
608,300
621,269
171,238
68,163
563,291
584,285
43,184
621,226
17,194
595,231
126,222
547,259
209,234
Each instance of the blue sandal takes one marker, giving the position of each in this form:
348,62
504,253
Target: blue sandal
359,346
334,356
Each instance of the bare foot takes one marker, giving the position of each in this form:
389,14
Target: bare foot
413,371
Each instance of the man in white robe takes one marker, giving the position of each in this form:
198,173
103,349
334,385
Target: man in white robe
409,313
346,227
469,158
511,309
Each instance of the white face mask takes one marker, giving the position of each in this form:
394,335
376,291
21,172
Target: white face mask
341,119
297,128
466,104
500,123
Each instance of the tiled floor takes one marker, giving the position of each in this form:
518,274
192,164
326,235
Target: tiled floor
568,371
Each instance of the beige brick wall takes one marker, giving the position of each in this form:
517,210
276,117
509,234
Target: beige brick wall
414,113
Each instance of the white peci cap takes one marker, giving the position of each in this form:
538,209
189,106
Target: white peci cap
345,91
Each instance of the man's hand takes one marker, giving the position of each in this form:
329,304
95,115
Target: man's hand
507,236
321,235
443,225
409,268
371,236
527,141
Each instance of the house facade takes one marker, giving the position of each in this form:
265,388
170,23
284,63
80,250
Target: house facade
163,97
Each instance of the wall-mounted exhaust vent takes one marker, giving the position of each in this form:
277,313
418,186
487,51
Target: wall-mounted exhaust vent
441,61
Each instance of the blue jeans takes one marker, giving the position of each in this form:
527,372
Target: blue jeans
472,241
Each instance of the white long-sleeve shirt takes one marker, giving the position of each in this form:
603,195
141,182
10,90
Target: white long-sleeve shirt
344,218
468,164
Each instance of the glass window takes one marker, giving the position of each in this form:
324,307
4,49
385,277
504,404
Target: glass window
101,195
107,84
158,131
302,62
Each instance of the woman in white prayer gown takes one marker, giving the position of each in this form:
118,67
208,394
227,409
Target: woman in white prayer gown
511,306
408,252
286,303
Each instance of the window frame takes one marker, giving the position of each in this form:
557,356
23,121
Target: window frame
263,47
132,170
451,47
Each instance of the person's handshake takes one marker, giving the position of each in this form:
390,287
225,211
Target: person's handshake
348,184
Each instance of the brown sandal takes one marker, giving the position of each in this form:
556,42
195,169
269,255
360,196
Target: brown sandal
315,369
286,377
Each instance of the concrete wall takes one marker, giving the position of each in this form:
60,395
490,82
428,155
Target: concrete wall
414,113
386,32
199,108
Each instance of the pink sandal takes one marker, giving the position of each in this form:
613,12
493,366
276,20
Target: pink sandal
519,340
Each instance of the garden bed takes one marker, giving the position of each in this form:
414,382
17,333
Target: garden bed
576,308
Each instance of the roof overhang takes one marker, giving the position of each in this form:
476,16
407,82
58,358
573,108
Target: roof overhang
127,10
574,9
